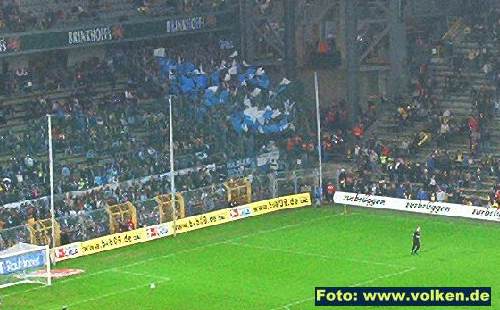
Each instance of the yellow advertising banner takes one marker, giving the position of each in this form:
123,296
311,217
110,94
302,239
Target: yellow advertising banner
113,241
217,217
203,220
280,203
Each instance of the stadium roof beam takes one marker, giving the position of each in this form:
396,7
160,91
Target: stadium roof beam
260,40
273,39
246,46
314,14
373,29
378,38
290,44
352,58
381,6
398,43
387,42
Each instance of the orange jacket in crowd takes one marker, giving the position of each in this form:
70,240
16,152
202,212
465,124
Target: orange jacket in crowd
358,131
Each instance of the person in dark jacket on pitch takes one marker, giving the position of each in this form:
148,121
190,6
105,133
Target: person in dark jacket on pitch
416,242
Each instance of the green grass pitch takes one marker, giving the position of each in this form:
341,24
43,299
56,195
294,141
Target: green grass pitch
275,261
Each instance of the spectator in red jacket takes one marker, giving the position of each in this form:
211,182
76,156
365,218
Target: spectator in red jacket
330,191
358,131
473,124
130,224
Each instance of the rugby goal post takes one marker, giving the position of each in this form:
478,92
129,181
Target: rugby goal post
25,263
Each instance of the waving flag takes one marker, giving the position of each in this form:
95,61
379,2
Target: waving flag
201,81
187,84
249,85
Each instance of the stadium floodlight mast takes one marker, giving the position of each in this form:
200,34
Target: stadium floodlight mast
172,177
51,176
318,122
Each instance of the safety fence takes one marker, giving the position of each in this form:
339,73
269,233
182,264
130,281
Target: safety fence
182,225
113,217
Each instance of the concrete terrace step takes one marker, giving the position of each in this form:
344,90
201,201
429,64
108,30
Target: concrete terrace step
456,104
475,81
464,89
472,44
454,96
461,49
442,74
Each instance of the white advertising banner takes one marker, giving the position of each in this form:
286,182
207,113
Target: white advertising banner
418,206
159,231
65,252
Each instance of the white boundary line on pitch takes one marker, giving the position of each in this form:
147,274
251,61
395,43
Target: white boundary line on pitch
315,255
139,274
192,249
389,275
98,297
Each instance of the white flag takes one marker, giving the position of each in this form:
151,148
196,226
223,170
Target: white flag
285,81
159,52
256,92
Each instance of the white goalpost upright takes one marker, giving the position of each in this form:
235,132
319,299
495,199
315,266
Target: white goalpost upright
25,263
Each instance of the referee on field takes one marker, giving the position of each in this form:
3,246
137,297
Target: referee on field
416,241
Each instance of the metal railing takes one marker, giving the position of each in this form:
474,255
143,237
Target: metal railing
87,224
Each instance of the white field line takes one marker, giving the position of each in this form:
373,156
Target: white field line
145,275
192,249
389,275
98,297
355,260
392,213
384,276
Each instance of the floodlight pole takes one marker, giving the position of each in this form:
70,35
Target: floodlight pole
51,176
172,178
318,122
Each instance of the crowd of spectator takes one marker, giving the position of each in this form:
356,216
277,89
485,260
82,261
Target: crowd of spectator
125,130
113,117
121,134
82,215
445,176
23,16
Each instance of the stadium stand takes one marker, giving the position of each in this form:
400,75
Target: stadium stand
121,122
28,15
443,148
110,117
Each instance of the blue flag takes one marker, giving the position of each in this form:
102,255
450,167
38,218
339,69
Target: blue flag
187,84
201,81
